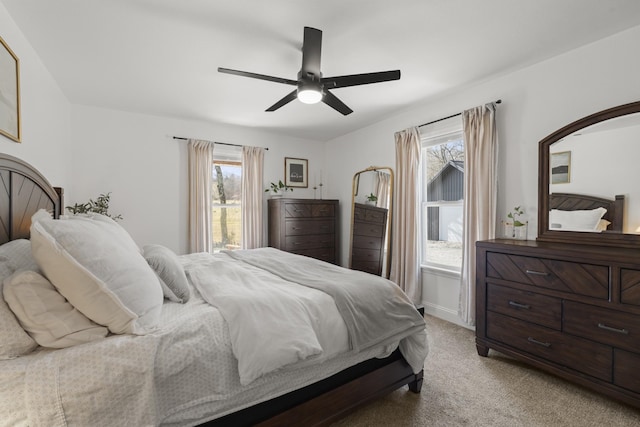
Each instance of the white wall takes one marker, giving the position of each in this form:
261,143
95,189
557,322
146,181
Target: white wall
45,112
135,157
537,100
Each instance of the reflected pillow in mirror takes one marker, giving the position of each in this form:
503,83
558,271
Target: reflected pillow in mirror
579,220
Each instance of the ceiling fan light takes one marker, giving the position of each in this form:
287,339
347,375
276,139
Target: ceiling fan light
309,95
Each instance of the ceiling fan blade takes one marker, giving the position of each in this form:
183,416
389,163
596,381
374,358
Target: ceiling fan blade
257,76
284,101
332,101
360,79
311,51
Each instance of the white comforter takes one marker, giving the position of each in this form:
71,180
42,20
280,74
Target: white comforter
184,374
258,293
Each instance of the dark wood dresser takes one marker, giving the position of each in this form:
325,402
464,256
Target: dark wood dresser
368,234
305,226
573,310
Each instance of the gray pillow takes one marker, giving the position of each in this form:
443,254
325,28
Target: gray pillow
170,272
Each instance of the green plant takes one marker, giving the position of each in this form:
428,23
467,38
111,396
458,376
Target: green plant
276,187
100,206
514,214
372,197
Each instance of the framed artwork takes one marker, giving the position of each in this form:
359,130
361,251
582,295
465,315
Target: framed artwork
9,93
296,172
560,167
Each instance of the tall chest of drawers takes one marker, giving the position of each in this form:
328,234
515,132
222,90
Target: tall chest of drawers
304,226
368,238
572,310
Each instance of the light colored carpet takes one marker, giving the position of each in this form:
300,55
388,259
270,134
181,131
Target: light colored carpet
463,389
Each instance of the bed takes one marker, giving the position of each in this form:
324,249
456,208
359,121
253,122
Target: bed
189,365
586,205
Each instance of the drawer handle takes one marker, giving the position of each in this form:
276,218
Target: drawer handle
537,273
534,341
609,328
518,305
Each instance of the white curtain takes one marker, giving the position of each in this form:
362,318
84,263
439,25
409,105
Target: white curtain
480,186
382,185
405,266
252,195
200,170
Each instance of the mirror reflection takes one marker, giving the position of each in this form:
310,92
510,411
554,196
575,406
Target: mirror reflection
598,161
371,213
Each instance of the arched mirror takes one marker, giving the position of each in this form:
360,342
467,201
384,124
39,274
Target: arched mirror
371,213
588,180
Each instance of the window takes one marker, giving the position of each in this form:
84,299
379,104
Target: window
226,206
442,188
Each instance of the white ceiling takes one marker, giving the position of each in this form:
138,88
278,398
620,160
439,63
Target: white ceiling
161,57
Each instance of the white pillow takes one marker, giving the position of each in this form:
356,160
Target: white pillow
97,267
45,314
170,272
14,341
579,220
18,252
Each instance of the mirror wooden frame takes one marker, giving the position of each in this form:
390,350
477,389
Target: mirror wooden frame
582,238
386,271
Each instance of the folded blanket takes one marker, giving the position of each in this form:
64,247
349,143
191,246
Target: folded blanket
360,297
269,326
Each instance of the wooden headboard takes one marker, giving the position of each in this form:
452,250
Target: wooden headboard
23,191
574,202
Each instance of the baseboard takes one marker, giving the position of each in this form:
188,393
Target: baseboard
445,313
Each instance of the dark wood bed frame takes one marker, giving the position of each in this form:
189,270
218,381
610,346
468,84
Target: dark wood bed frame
574,202
24,191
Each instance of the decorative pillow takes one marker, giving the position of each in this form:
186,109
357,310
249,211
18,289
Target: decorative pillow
602,225
14,341
98,268
579,220
170,272
45,314
18,252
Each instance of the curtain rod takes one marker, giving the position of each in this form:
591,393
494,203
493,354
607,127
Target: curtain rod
499,101
215,142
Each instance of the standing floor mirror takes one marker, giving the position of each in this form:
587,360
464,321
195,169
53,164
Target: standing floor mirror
371,214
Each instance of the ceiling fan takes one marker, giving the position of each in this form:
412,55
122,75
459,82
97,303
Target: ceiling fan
311,86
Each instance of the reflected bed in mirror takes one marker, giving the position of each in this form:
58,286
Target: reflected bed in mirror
580,166
371,213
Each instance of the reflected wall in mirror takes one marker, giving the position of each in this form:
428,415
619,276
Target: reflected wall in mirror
371,213
590,163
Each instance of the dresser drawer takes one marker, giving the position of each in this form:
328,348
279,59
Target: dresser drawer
612,327
630,286
365,255
297,243
366,242
529,306
626,372
324,254
572,352
372,267
366,229
297,210
322,210
584,279
370,214
300,227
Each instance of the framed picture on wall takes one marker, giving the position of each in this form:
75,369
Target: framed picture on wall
9,93
560,167
296,172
